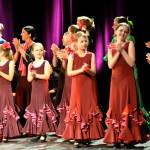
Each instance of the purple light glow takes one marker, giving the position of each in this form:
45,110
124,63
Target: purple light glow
6,18
106,35
71,11
120,7
99,52
54,25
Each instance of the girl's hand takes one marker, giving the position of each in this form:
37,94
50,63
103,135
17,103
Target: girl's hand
62,55
33,73
54,48
148,57
119,47
147,44
85,67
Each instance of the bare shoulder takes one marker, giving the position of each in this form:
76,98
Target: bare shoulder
91,53
47,62
131,43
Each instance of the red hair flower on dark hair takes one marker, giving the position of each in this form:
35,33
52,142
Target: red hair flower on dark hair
6,46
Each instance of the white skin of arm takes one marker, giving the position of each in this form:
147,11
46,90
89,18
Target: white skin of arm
30,76
16,55
71,72
54,49
9,76
130,55
112,60
54,61
58,54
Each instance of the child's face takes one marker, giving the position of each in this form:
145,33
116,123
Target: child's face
122,32
83,43
38,52
115,24
65,39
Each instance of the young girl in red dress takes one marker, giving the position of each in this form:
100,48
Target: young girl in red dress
69,41
83,120
123,116
40,114
9,125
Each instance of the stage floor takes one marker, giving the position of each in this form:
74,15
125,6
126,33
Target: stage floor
55,143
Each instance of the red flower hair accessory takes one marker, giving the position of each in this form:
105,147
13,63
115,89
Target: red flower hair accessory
80,23
6,46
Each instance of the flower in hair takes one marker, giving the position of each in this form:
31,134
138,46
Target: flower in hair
80,23
6,46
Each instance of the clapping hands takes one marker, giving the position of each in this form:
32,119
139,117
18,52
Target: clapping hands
54,49
85,67
62,55
147,44
148,57
16,43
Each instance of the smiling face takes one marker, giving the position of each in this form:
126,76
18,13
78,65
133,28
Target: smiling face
83,42
38,51
122,32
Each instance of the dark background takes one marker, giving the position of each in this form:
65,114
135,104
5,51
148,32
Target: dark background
18,13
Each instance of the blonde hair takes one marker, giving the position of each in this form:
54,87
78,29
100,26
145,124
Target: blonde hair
120,19
124,24
73,28
7,52
89,22
81,34
41,47
1,27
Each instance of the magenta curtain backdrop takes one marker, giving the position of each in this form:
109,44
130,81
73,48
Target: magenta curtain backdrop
54,24
6,17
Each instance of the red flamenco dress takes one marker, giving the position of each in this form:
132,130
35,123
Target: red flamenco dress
83,120
9,125
123,116
64,104
40,114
